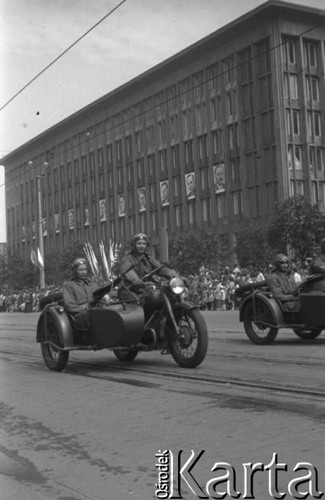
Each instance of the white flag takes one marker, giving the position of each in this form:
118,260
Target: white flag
40,258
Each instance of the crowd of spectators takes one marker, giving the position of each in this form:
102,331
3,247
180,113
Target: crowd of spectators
26,300
210,290
213,291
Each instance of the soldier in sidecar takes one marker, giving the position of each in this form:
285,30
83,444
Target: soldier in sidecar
267,306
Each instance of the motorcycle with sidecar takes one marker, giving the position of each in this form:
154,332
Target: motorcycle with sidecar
263,315
164,321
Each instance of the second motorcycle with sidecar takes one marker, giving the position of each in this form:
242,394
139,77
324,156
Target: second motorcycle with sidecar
163,321
263,315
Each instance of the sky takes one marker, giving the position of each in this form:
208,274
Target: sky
131,40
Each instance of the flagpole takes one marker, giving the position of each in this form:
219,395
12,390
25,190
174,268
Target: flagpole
40,232
40,225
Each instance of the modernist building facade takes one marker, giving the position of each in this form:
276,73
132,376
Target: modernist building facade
216,136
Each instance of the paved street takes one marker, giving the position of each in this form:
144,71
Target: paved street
92,431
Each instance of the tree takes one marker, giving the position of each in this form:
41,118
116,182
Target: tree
19,274
252,248
189,251
297,225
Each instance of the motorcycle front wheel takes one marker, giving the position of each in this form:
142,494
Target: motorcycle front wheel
54,359
258,323
189,348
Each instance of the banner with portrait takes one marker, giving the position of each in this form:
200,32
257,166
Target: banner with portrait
71,218
190,185
102,210
219,178
23,234
34,230
142,199
164,193
121,206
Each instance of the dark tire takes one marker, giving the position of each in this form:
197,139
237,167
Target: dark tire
190,347
255,328
54,359
126,354
307,333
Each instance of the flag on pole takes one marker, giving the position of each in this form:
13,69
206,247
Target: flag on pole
39,258
106,267
33,258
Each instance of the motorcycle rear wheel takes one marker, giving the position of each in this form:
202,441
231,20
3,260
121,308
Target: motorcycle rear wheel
190,347
54,359
255,327
308,334
125,354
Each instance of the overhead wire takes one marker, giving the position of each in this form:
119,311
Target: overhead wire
61,55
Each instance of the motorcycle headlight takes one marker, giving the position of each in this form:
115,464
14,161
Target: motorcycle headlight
177,285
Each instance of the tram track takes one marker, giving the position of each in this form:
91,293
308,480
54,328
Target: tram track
96,370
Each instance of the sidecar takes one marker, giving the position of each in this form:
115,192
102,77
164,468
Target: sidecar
119,327
263,316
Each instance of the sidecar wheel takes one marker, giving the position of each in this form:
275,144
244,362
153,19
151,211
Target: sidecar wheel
54,359
190,348
255,328
125,354
308,334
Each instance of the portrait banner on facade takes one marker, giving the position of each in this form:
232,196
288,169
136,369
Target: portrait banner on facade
164,193
219,179
23,234
142,199
102,210
190,185
121,206
33,230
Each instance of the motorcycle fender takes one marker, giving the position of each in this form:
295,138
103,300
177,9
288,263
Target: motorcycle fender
62,322
184,305
272,304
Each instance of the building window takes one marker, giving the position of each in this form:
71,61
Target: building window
162,160
138,142
191,213
237,202
312,86
153,193
154,221
289,51
161,132
185,124
202,147
178,216
128,145
310,54
317,125
221,205
290,86
175,157
206,209
176,186
228,69
296,122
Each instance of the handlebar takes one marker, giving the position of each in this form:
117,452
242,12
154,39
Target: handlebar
153,272
100,292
